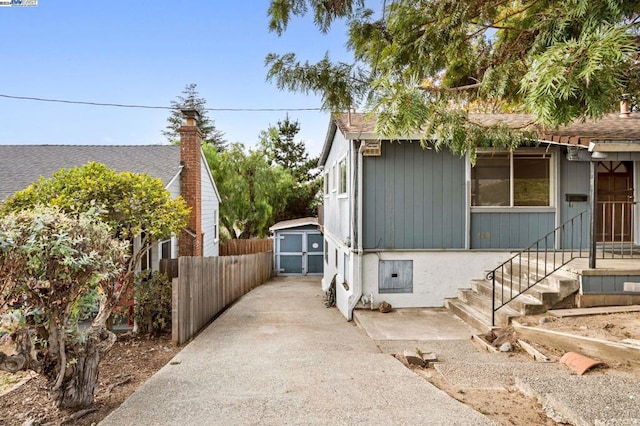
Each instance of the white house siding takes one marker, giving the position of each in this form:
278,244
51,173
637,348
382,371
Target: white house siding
174,187
337,220
210,209
436,275
156,251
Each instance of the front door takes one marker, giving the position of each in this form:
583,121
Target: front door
615,201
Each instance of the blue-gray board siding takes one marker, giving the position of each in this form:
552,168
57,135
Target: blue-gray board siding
612,284
413,198
574,179
510,230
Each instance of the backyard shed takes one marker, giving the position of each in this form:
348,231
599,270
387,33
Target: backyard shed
298,247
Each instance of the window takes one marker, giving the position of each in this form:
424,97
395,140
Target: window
146,260
342,169
215,224
165,249
334,178
511,179
325,183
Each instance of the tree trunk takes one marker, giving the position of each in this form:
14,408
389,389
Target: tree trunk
81,378
23,358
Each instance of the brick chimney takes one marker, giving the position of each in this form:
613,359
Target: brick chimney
625,109
190,242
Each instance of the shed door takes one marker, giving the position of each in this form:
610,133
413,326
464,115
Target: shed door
289,253
315,253
299,253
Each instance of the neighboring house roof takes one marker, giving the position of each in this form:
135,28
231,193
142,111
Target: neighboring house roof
611,130
294,223
21,165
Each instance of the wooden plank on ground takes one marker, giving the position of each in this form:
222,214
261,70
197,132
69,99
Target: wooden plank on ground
601,310
535,354
604,350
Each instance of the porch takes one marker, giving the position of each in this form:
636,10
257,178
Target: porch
615,280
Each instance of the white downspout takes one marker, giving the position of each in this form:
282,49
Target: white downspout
356,246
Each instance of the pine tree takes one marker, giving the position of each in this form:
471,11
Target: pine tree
281,149
190,99
425,64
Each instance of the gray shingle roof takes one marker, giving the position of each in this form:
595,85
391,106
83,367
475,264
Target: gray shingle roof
21,165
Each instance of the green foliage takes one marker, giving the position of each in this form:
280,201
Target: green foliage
253,191
190,99
281,149
324,13
49,261
86,307
424,60
348,82
152,294
131,205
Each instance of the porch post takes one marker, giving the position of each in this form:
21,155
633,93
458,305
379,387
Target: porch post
593,188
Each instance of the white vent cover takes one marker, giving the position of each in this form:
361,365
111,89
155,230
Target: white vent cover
372,149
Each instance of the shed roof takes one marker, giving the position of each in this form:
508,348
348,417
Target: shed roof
294,223
21,165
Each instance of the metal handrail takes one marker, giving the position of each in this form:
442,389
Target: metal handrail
567,226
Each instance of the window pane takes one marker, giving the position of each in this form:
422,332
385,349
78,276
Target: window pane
166,249
531,181
490,180
343,176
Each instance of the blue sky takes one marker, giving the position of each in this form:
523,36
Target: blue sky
134,52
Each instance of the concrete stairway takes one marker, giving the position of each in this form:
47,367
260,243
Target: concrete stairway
473,305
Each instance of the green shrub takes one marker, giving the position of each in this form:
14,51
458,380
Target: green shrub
152,294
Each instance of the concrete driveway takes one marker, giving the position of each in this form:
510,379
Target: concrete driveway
278,356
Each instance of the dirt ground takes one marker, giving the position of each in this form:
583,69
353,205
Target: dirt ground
505,407
510,407
613,327
132,360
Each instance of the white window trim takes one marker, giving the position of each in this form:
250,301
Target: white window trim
216,217
327,183
553,190
334,178
339,177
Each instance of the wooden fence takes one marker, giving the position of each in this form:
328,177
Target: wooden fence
205,286
240,247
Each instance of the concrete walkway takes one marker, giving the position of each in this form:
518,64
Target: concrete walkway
278,356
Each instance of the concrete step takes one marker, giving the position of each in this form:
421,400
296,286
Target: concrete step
549,291
477,301
536,272
524,304
469,315
474,305
478,316
550,296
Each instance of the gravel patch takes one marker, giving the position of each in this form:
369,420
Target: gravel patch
586,400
